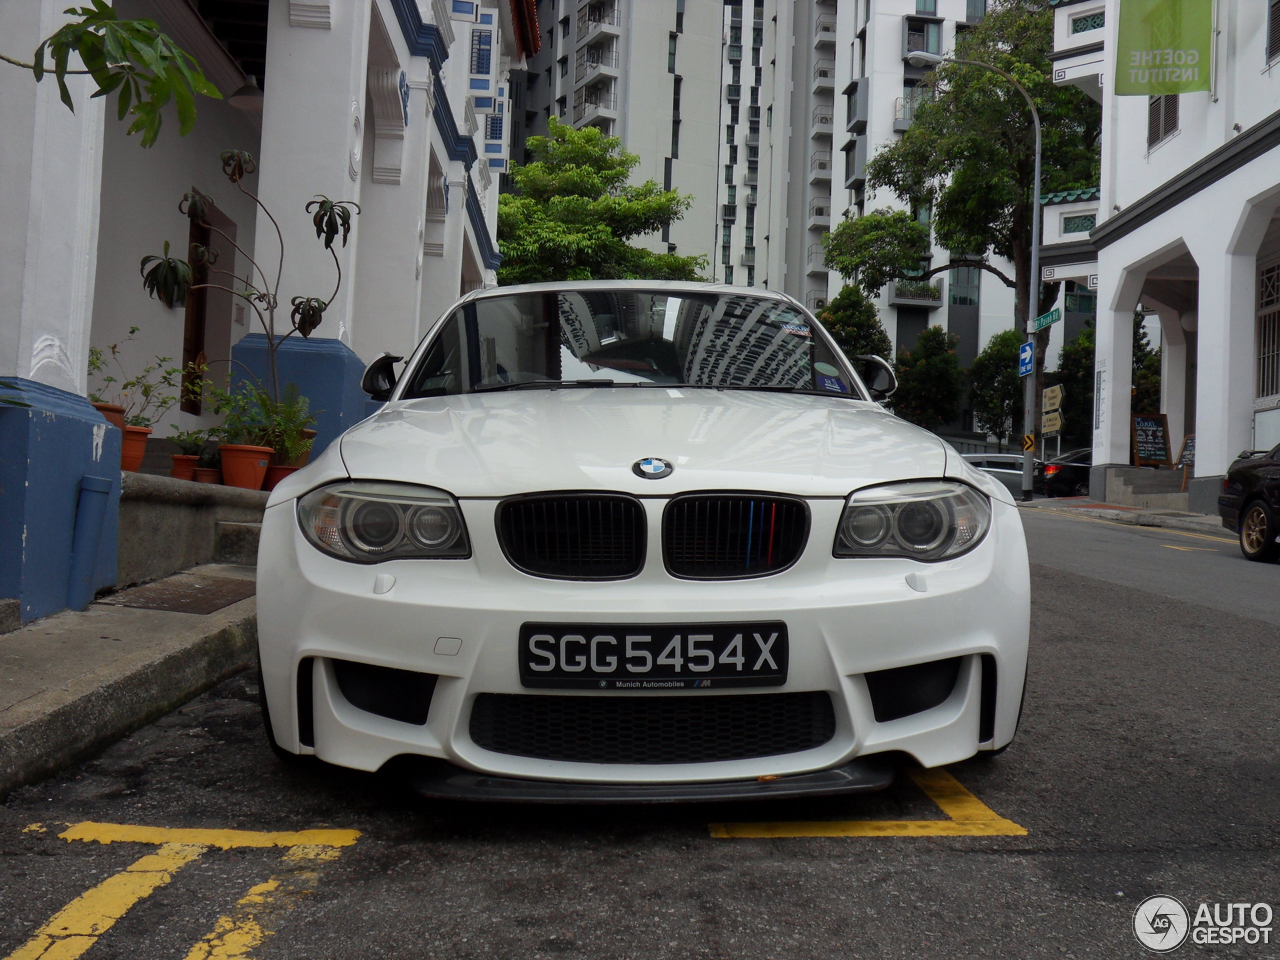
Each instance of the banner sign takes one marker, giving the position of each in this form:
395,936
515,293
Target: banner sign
1163,47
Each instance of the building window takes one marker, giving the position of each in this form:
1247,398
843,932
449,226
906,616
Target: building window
924,35
927,7
671,53
564,27
675,98
464,7
1079,222
1268,351
736,71
728,173
493,125
1273,31
726,235
483,103
1079,299
479,83
728,134
666,173
976,11
562,106
964,286
481,51
731,195
1162,118
679,16
733,154
726,257
1090,21
749,236
728,270
751,276
675,139
733,113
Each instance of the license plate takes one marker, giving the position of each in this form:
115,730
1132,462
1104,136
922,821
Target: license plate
631,656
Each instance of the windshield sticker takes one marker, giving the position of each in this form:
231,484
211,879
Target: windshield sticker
834,384
799,329
826,368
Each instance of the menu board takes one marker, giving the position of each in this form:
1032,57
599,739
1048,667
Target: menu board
1187,458
1151,441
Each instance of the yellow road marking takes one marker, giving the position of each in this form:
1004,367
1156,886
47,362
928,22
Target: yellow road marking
76,927
1174,546
1132,526
258,912
222,839
967,817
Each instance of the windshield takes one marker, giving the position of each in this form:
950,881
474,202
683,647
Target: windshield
626,338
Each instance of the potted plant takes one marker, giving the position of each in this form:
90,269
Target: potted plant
191,443
288,433
136,403
242,435
209,467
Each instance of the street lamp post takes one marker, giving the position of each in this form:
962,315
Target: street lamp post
922,59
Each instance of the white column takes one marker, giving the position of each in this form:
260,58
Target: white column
49,200
1173,372
1113,363
313,143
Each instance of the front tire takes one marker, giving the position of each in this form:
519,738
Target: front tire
1258,533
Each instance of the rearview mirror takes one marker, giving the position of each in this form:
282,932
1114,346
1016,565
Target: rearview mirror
878,375
380,377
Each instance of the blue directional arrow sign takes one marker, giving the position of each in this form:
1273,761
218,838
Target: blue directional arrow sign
1026,358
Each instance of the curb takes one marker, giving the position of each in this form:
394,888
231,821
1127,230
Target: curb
1139,519
67,723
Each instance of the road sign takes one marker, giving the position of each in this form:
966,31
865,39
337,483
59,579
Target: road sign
1048,319
1051,424
1053,398
1026,359
1029,441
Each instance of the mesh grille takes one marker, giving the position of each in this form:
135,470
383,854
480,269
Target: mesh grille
689,729
721,537
574,537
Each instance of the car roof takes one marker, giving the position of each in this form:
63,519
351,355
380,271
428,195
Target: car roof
665,286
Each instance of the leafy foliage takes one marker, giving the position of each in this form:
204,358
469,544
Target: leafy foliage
237,164
874,249
995,389
852,321
574,213
1145,398
930,381
131,56
332,217
146,396
167,278
10,401
190,442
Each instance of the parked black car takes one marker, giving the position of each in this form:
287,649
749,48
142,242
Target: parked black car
1250,503
1068,475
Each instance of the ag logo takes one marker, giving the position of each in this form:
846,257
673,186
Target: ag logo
1160,923
651,468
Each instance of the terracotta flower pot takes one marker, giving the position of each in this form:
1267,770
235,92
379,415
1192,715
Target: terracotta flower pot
134,448
206,475
275,474
184,466
244,465
113,412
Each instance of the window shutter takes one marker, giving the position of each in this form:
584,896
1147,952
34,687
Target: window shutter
1273,31
1153,121
1170,115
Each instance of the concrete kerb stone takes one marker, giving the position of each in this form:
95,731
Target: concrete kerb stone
72,720
1138,517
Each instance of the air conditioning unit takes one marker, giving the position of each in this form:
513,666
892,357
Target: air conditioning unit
819,303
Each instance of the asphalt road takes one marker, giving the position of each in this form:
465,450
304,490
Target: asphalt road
1146,764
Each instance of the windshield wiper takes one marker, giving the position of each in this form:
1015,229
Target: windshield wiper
542,385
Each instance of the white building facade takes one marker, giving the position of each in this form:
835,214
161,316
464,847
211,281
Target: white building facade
1186,226
397,105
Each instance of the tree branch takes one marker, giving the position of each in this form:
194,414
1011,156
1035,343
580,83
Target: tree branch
275,291
240,250
980,264
32,66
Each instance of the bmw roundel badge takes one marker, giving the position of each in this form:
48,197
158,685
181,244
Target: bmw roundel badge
652,468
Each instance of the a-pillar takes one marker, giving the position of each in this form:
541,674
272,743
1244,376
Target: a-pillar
1113,373
49,201
313,144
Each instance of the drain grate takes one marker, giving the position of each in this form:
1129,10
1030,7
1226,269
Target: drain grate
184,593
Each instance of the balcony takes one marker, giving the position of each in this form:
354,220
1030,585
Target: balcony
816,300
921,34
733,91
591,61
824,28
728,213
593,105
819,213
753,137
751,179
749,257
855,163
815,258
904,112
857,101
916,293
819,166
824,75
735,52
821,124
593,22
750,197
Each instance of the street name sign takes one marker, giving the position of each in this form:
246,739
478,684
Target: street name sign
1026,358
1048,319
1051,424
1053,398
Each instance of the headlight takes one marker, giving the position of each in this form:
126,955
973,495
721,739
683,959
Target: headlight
924,520
367,521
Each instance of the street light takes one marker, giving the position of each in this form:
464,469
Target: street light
920,58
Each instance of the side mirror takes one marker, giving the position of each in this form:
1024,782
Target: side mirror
380,377
878,375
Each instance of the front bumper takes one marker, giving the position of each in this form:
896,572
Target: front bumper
845,617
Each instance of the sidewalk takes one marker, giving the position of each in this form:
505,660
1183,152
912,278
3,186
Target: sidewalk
1138,516
73,682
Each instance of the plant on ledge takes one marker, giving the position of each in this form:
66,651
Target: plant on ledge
909,289
170,279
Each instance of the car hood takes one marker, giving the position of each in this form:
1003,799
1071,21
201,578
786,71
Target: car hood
499,444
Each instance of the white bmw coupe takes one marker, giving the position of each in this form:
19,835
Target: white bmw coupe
634,541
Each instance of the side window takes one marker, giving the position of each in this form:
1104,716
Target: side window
440,372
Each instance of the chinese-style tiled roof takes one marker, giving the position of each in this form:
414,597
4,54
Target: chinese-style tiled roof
1063,3
524,14
1071,196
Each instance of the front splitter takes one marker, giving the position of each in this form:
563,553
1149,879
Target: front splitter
440,780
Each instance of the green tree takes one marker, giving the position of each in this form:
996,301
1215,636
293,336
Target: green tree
574,212
970,153
1075,376
995,389
872,250
133,56
1145,396
930,381
852,321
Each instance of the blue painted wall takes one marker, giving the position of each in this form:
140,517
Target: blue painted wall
44,451
326,371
